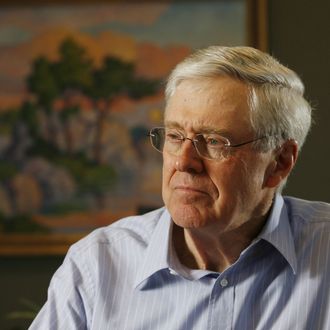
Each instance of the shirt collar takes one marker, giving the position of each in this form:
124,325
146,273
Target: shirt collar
277,231
156,256
159,256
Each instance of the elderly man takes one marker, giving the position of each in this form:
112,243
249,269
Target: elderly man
227,251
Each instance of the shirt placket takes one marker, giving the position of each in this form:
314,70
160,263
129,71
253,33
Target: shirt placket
221,304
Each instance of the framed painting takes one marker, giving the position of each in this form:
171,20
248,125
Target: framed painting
81,84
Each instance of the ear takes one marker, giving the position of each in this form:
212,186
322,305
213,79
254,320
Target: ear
282,165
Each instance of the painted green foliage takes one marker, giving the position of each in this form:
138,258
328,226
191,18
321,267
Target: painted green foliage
52,143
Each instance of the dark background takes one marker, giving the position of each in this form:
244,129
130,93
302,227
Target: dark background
299,37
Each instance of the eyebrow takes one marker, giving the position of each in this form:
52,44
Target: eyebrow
201,130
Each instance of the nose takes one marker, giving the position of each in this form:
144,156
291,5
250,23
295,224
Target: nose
189,160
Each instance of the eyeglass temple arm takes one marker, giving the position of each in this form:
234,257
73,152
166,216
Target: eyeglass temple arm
244,143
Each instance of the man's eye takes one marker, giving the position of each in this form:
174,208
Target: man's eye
214,141
170,136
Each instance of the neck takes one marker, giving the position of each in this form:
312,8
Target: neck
204,248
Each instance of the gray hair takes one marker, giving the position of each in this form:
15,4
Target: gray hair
276,99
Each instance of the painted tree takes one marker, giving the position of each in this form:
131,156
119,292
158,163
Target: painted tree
73,75
115,77
74,69
42,83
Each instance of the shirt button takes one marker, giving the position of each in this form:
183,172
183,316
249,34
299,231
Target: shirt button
173,272
224,282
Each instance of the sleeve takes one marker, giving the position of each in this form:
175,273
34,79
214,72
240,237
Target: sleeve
70,297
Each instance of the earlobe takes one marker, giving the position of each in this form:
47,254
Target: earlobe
282,165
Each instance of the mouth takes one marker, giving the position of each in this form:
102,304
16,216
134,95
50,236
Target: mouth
190,189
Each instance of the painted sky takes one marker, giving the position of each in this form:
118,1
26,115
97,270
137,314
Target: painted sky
154,35
196,24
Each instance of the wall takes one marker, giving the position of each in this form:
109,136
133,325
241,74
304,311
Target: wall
298,37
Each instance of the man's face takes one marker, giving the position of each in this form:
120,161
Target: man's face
225,193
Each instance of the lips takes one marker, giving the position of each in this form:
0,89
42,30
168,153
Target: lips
190,189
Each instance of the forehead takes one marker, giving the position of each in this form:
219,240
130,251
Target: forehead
219,103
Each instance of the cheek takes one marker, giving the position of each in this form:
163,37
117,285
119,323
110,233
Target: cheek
230,180
247,178
223,175
168,170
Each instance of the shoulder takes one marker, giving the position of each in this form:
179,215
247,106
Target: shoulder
95,259
308,211
133,230
309,214
310,227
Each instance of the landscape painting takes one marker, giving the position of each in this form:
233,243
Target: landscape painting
80,87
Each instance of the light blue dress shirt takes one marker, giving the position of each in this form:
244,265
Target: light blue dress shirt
127,276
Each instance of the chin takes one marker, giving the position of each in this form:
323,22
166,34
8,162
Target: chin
188,216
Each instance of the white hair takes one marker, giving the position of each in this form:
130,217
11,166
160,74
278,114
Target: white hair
278,107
